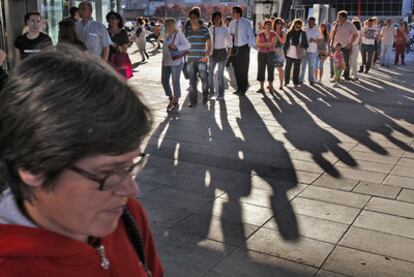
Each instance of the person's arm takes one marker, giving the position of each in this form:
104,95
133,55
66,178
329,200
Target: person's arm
106,42
282,38
123,47
229,38
250,34
3,57
354,37
183,44
17,54
305,43
258,43
105,54
208,51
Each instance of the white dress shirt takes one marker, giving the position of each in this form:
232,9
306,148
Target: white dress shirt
244,30
221,37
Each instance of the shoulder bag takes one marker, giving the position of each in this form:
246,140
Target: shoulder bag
176,54
300,51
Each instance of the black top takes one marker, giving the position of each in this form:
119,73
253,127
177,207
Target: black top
119,39
31,46
294,37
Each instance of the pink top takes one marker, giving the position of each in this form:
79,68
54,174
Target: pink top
262,39
338,60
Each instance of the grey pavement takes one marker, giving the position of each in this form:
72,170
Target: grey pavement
314,181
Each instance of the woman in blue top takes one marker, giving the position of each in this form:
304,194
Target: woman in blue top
174,48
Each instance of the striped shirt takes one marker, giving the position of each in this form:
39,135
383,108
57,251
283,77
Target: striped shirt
198,41
94,35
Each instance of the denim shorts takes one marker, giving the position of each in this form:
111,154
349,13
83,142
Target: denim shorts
319,63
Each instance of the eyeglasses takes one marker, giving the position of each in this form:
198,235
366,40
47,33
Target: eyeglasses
113,179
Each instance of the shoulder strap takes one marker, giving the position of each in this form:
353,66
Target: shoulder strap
135,237
175,35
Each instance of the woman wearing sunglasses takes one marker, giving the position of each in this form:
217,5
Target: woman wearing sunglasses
69,154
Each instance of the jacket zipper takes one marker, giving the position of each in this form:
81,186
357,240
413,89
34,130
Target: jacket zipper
104,260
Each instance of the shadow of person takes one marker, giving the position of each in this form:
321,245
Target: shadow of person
276,170
342,113
371,118
305,134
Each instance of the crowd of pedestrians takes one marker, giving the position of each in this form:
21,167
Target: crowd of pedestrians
47,143
197,48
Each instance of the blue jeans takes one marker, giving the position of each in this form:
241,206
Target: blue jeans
386,54
220,75
166,73
201,68
311,60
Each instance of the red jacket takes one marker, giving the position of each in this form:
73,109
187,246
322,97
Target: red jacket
26,251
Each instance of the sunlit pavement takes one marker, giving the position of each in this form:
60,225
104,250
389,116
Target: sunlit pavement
317,180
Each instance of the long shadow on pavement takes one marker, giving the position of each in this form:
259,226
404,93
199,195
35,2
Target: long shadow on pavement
197,186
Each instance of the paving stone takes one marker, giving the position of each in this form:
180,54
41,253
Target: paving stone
181,198
369,165
269,198
164,215
406,195
335,183
315,228
392,207
335,196
236,211
358,263
324,210
399,181
406,163
363,175
379,243
183,255
390,151
377,189
217,229
386,223
374,157
251,263
403,171
303,250
325,273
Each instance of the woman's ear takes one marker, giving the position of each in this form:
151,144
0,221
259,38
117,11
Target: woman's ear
30,179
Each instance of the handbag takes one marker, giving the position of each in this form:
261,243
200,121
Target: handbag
278,57
122,64
219,55
176,54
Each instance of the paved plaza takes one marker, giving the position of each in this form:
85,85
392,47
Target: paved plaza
315,181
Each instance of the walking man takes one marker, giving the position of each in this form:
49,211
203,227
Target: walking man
344,33
93,34
243,39
199,38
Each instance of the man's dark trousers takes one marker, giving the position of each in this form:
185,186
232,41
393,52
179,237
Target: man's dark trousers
241,67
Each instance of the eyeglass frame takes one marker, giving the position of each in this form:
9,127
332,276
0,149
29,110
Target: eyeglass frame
101,181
